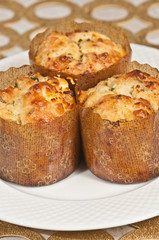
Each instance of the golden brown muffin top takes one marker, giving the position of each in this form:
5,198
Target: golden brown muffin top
126,96
78,52
35,99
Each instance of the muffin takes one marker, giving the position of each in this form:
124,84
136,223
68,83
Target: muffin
119,124
38,128
82,51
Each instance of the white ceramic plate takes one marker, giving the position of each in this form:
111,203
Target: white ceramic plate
81,201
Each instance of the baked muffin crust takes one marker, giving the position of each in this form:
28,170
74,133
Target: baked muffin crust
126,96
36,99
78,52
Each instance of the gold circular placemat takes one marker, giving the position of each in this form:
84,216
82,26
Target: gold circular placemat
138,14
83,235
8,230
145,230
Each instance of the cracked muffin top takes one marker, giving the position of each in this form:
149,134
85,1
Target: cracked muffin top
126,96
35,99
78,52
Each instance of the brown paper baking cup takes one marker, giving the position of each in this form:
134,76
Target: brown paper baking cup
81,80
122,151
37,154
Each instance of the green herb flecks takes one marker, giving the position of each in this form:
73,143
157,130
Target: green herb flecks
112,89
35,79
16,85
108,143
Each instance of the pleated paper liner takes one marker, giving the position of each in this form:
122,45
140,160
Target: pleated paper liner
37,154
122,151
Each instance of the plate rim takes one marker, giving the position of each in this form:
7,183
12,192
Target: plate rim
153,185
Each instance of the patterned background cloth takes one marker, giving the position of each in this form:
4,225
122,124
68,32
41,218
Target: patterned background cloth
21,20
